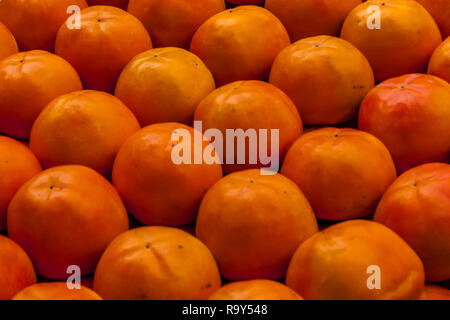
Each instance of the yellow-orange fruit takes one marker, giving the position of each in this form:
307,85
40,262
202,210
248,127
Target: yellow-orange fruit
440,61
55,291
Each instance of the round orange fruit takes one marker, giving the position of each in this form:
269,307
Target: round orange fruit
255,290
8,44
440,61
440,10
55,291
434,292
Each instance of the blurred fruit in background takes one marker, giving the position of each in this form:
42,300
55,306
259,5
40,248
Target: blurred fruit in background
440,10
434,292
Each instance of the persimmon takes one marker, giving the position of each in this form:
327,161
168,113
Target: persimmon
8,44
172,23
326,78
156,263
240,43
440,10
344,261
55,291
250,105
440,61
66,216
116,3
411,116
17,165
417,207
106,41
30,80
402,43
343,172
156,189
83,127
255,290
434,292
253,224
34,23
307,18
16,269
163,85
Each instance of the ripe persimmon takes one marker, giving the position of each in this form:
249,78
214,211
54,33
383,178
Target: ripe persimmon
343,172
83,127
410,114
440,61
434,292
106,41
155,189
8,44
440,10
402,43
30,80
34,23
55,291
253,224
172,23
66,216
156,263
16,269
116,3
163,85
417,207
326,78
240,43
255,290
356,260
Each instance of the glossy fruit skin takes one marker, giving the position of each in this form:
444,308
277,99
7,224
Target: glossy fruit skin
326,78
55,241
35,23
83,127
407,37
439,64
163,85
250,105
255,290
333,264
107,40
411,116
253,224
233,47
155,189
30,80
156,263
417,207
55,291
8,44
16,269
17,165
440,10
307,18
172,23
434,292
122,4
335,169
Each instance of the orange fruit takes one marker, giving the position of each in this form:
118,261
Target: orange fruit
16,269
326,77
156,263
35,23
411,116
66,216
255,290
106,41
417,207
17,165
440,10
166,84
116,3
404,42
240,43
83,127
8,44
307,18
55,291
440,61
155,189
30,80
336,264
253,224
434,292
172,23
250,105
335,168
